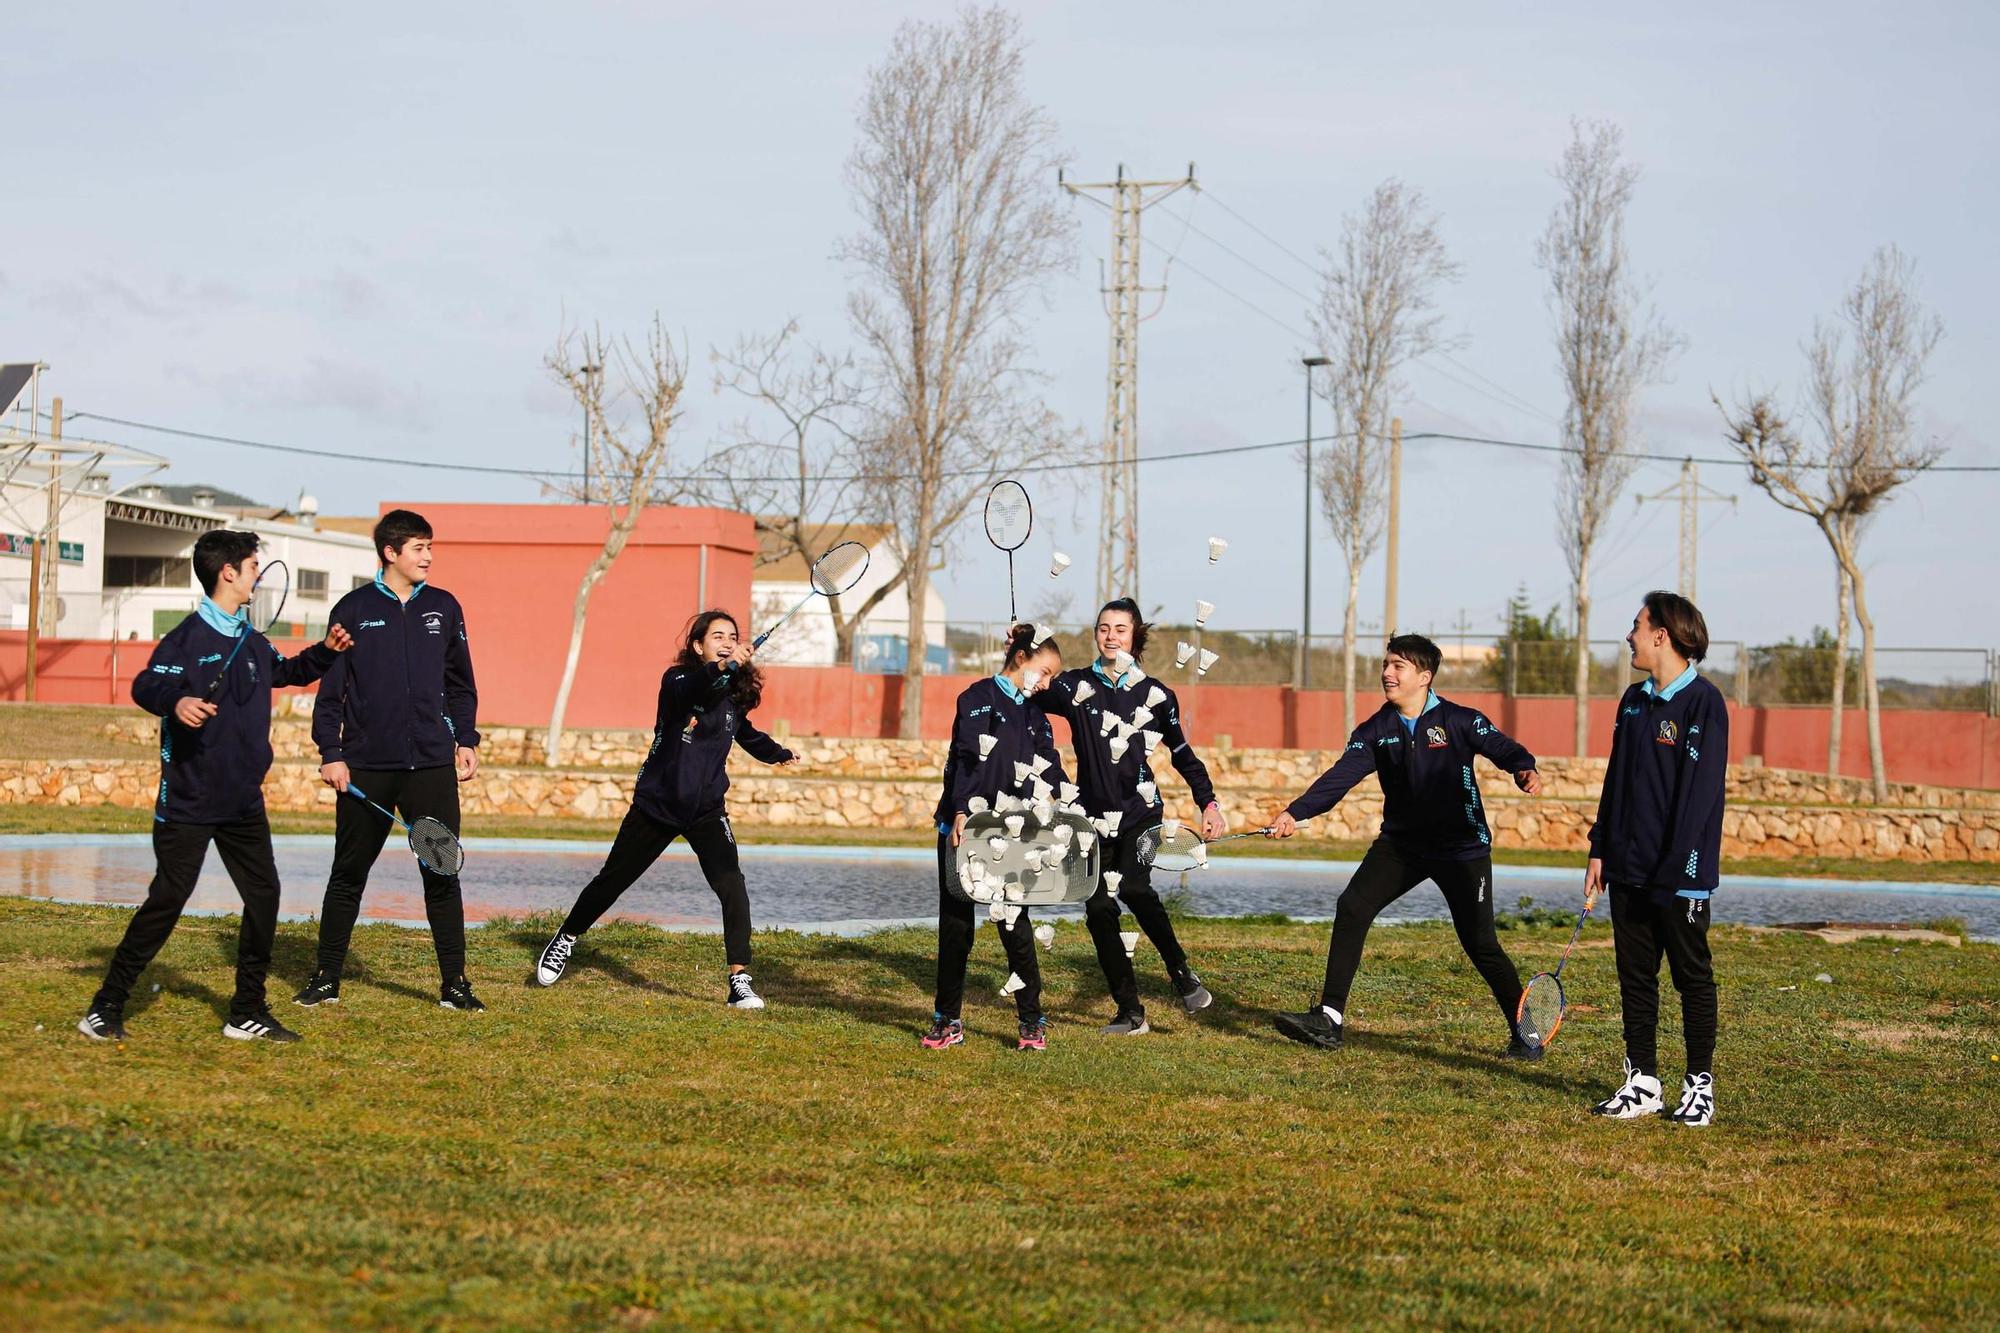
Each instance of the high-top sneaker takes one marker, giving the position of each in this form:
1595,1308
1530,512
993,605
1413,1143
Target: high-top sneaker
550,966
323,987
742,995
1640,1096
1697,1101
458,995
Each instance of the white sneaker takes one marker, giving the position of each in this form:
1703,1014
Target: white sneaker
741,994
1697,1101
1640,1096
555,958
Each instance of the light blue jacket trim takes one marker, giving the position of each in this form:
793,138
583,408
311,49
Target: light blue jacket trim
1679,682
1008,688
220,620
1105,676
390,593
1410,723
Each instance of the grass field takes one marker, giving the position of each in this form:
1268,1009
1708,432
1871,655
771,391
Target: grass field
622,1150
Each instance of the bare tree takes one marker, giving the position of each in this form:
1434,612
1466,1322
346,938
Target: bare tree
633,443
1376,310
1608,349
959,229
1864,367
797,468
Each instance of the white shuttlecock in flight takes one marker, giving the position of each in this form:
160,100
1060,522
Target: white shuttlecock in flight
1043,633
1200,853
1083,691
1013,984
1014,825
1085,840
1149,739
1057,564
986,744
1061,834
1031,680
1216,546
1013,914
997,844
1122,661
1067,793
1111,819
1020,772
1118,747
1040,763
1149,792
1169,827
1202,611
1045,935
1111,881
996,909
1208,660
1141,716
1182,652
1155,697
1130,939
976,806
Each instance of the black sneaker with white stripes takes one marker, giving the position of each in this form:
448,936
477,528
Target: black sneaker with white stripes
554,961
259,1026
742,995
102,1023
458,995
323,987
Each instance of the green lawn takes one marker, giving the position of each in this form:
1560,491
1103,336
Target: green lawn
622,1150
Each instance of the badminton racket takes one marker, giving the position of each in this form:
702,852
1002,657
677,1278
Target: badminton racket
1164,850
832,574
1540,1012
1010,516
267,600
436,847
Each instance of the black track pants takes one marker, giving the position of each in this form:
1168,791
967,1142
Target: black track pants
641,839
1136,895
359,830
957,923
1646,923
179,849
1386,874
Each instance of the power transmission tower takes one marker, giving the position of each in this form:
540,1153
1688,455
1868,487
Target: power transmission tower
1691,494
1118,540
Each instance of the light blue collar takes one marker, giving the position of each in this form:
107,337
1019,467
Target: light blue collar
220,620
1008,688
1105,676
1674,688
1410,723
390,593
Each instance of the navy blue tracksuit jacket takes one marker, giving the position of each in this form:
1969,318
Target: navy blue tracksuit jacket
685,776
1020,731
1659,819
403,696
214,774
1108,785
1430,799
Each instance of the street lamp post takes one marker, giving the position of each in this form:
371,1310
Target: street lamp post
1304,672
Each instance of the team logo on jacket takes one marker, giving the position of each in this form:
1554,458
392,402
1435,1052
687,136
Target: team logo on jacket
1669,733
373,624
434,622
1435,735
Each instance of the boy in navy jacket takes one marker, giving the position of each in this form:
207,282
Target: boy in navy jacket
397,717
1656,844
1421,747
213,757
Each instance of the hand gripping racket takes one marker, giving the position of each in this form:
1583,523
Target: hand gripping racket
1010,516
1540,1012
267,599
1182,848
436,847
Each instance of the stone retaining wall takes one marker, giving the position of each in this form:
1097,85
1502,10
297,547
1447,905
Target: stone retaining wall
833,801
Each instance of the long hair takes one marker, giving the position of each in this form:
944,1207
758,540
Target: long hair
1139,626
746,685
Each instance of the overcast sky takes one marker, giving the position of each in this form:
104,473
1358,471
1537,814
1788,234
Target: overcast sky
362,227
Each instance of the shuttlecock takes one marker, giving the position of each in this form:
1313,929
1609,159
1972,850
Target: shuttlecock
1016,892
1043,633
1170,828
1084,689
1824,979
1043,791
1125,729
996,909
1216,546
986,744
1200,853
1202,611
1005,801
1013,914
1014,825
1020,772
1118,747
1061,834
1207,661
1130,939
1182,652
1066,792
1155,697
1031,680
1111,881
1043,812
1045,935
1085,840
1141,716
975,869
981,891
1106,722
1014,983
1149,739
1122,661
1111,819
976,806
1040,764
1057,564
1149,792
998,845
1134,676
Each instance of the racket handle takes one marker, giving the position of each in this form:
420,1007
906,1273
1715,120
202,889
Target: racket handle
353,790
758,642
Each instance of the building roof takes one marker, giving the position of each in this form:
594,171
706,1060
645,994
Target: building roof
774,565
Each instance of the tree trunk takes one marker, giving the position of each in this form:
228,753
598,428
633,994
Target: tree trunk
1347,642
1835,724
917,583
591,578
1871,692
1583,656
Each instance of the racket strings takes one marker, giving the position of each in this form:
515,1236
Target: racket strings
839,569
1009,516
1169,851
1541,1008
437,848
267,598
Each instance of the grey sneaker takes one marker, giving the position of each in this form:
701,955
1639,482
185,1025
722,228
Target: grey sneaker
1194,995
1129,1023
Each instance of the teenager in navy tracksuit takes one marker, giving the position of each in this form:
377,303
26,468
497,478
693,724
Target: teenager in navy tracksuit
397,718
1421,748
213,757
706,698
1656,845
1103,702
1006,708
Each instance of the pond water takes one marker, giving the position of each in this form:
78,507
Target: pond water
853,889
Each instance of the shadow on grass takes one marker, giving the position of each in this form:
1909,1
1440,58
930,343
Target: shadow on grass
531,938
170,980
1463,1061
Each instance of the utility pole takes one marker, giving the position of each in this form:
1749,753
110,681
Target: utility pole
1118,539
1395,521
1691,494
51,539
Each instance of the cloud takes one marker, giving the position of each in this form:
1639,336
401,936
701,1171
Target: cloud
173,299
321,384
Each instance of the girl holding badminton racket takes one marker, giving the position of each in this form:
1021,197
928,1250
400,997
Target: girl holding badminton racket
1121,723
998,734
706,698
210,682
1421,748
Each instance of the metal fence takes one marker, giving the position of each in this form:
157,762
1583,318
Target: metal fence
1957,679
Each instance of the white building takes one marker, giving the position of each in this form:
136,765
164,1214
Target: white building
126,568
808,639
